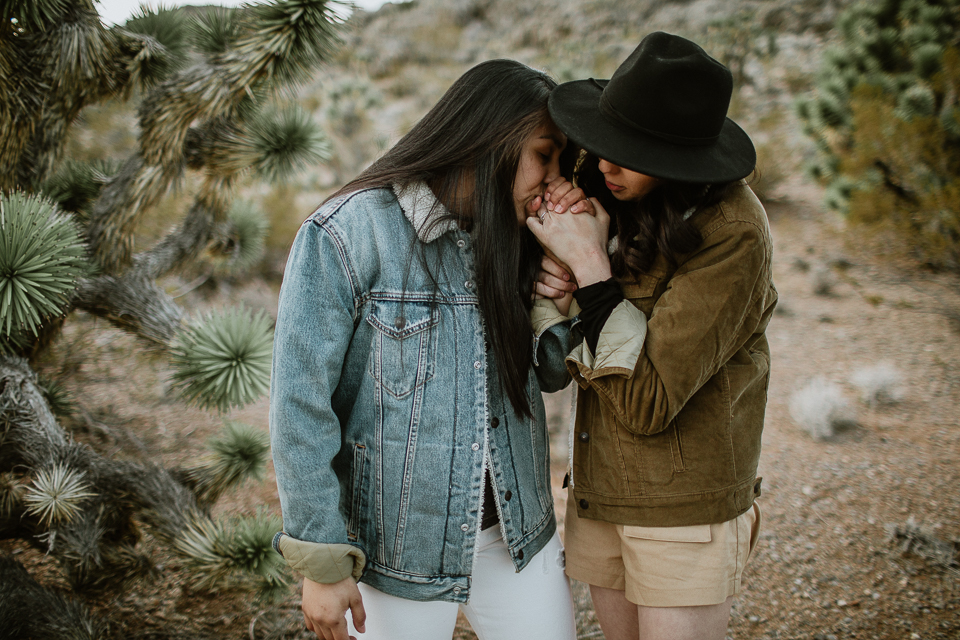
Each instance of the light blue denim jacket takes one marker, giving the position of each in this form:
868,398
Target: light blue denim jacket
385,408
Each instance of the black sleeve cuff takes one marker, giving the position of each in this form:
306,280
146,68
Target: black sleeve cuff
597,301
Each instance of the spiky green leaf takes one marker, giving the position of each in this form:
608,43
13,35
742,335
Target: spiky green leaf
251,227
215,30
167,27
41,258
56,494
32,14
77,184
223,360
284,41
237,453
12,492
277,143
237,553
61,401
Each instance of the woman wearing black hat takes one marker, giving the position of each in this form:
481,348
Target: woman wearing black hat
675,294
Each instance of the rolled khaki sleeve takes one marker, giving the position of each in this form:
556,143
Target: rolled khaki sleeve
618,348
320,562
545,315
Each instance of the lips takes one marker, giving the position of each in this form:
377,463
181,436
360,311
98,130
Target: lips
613,187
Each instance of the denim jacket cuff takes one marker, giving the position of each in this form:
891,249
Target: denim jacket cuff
321,562
618,347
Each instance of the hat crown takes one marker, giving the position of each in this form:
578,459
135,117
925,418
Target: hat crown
671,88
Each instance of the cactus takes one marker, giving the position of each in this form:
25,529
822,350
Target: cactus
885,120
205,89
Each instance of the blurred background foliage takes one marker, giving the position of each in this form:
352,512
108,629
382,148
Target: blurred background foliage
149,171
885,119
122,155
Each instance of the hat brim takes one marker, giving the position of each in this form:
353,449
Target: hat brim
575,108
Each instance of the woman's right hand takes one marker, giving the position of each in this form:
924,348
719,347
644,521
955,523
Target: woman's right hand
325,607
579,241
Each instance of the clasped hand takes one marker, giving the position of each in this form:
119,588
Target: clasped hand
576,245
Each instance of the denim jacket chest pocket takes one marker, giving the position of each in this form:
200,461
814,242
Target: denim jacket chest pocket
404,347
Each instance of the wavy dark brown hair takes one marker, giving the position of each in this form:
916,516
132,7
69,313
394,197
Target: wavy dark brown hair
468,148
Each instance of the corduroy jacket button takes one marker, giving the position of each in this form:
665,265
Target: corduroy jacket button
584,436
507,495
495,422
584,504
520,554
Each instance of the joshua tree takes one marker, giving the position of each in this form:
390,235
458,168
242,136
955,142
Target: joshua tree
885,117
67,244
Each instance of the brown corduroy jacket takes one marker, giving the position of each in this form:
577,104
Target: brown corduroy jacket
671,407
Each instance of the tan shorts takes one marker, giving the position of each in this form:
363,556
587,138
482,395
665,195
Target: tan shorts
662,566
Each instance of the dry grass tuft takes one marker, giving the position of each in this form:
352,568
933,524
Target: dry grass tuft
879,385
820,409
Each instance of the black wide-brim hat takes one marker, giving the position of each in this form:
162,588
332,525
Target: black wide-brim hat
663,114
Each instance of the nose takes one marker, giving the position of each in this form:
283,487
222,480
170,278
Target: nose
606,166
553,171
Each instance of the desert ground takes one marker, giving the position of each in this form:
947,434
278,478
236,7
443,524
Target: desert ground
860,524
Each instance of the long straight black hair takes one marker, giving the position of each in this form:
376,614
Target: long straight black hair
467,149
658,224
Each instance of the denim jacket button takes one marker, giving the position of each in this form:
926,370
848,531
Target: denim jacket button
464,527
400,322
475,446
520,554
456,591
477,364
461,243
584,436
495,422
584,504
507,495
468,284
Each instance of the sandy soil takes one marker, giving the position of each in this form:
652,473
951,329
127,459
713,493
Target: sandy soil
826,566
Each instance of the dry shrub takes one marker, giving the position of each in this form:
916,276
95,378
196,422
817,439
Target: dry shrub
879,384
820,409
910,179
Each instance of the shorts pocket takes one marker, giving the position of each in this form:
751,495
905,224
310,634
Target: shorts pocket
693,533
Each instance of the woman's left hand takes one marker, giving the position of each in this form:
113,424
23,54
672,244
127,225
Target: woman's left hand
577,241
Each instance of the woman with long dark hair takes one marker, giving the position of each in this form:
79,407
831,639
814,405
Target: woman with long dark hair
675,294
408,429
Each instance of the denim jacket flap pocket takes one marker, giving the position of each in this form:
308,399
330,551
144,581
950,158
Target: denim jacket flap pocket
403,353
694,533
400,320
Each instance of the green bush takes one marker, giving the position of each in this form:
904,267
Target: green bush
885,119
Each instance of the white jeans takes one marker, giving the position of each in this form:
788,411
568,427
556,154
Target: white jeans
534,604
